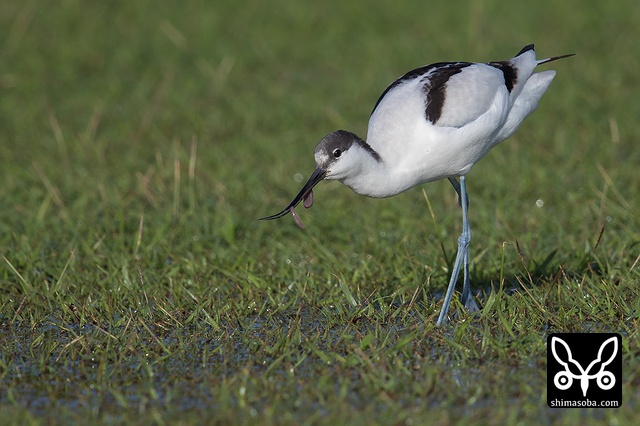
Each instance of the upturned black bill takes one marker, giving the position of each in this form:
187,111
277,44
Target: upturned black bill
305,194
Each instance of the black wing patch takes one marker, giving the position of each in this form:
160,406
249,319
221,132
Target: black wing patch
408,76
435,86
435,77
509,71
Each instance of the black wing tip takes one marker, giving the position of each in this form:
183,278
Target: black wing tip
555,58
529,47
525,49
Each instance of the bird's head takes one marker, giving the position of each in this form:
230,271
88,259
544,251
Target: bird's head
337,154
336,157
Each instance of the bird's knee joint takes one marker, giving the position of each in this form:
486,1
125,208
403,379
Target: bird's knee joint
464,240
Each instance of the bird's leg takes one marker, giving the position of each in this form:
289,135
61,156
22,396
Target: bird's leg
462,256
467,298
456,186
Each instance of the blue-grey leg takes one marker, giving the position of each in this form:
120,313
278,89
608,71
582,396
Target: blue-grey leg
462,256
456,186
467,298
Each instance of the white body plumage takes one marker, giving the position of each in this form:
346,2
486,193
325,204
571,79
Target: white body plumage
478,111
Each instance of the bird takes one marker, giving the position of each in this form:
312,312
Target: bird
432,123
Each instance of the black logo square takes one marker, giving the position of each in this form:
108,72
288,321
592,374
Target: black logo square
584,370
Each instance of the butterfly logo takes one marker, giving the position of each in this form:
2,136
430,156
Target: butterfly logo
564,379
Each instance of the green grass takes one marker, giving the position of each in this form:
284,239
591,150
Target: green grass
141,140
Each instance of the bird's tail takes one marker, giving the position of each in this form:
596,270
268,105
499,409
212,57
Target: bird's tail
525,62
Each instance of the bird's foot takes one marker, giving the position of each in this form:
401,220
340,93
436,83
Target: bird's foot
470,308
470,304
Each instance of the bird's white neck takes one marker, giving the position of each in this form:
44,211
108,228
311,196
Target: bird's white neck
372,176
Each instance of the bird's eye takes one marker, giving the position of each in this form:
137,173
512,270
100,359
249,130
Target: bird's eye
337,153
